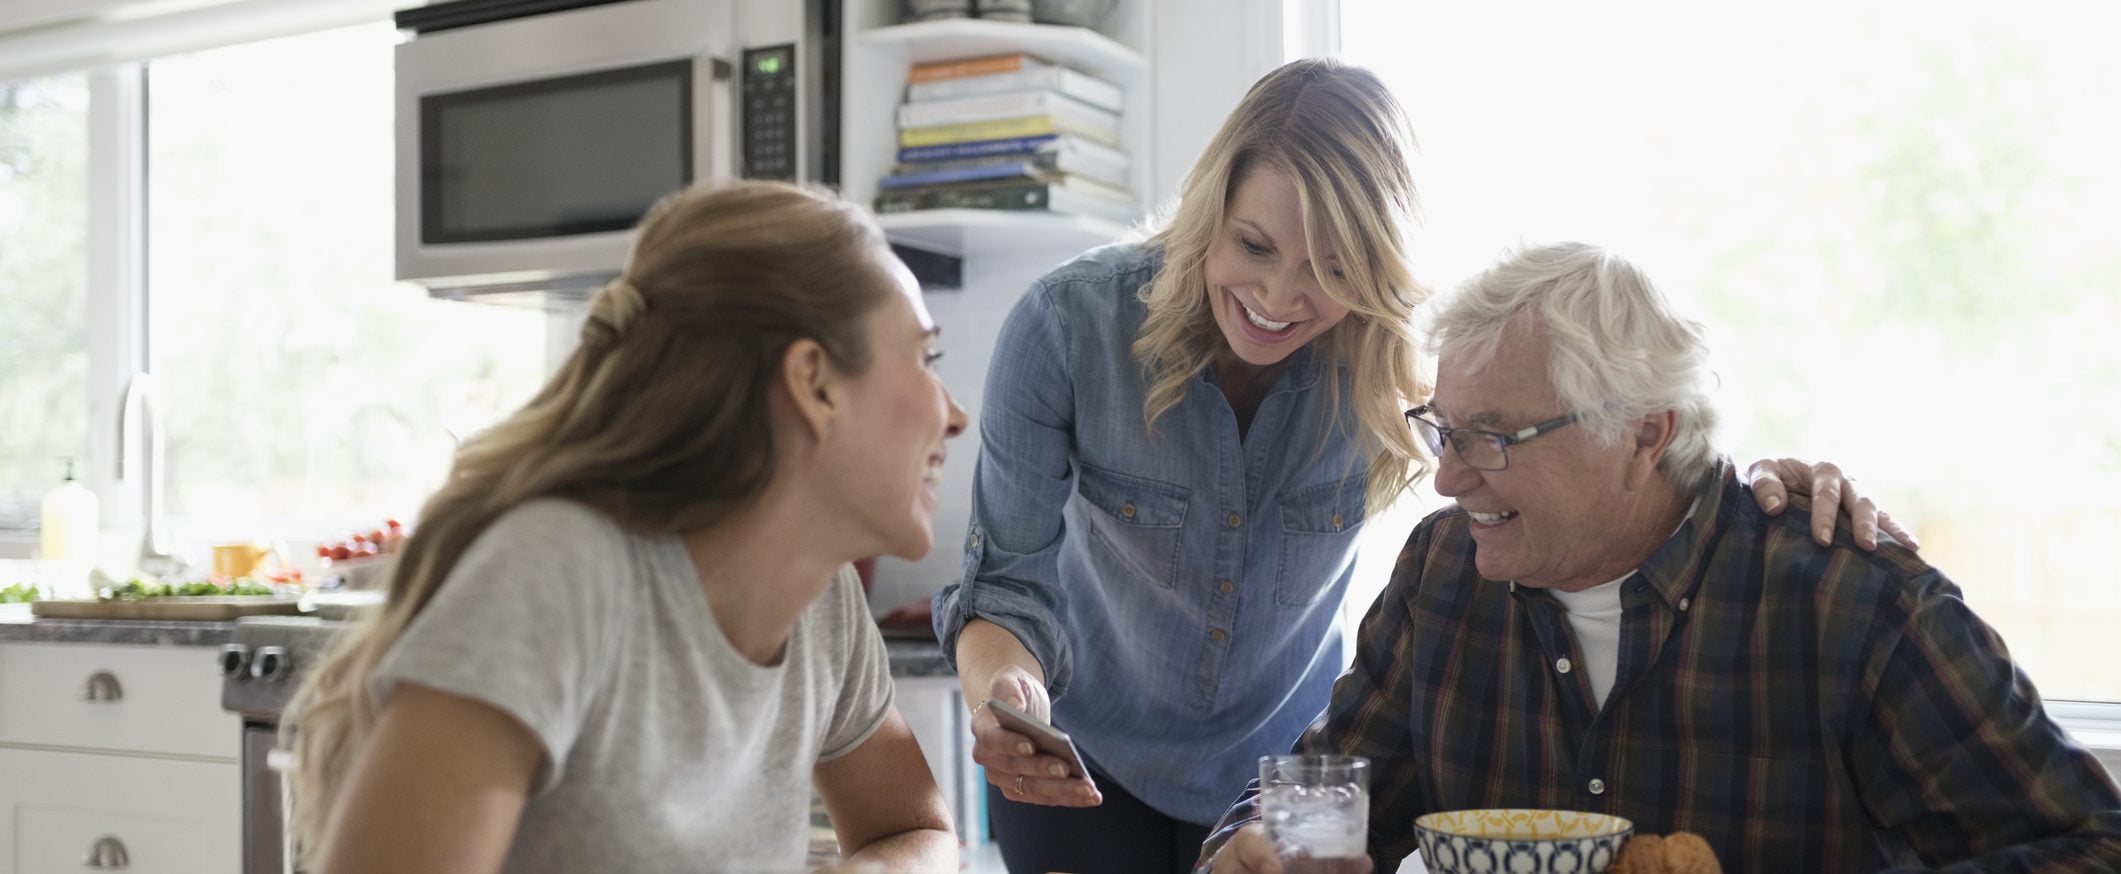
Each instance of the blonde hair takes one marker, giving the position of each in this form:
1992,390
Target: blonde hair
1618,349
1344,141
658,419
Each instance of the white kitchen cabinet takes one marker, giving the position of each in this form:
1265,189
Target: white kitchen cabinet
879,50
166,816
125,747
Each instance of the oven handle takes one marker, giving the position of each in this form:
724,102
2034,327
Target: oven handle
281,760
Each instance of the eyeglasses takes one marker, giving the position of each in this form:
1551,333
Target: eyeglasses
1480,450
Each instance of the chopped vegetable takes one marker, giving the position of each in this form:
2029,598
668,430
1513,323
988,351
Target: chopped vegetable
137,589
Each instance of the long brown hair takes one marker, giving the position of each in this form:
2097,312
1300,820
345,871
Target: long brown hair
1344,141
659,418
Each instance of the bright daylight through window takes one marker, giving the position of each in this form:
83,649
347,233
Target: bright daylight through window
43,288
301,382
1896,218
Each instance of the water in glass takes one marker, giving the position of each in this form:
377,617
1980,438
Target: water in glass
1316,810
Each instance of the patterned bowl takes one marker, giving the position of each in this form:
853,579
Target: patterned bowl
1520,841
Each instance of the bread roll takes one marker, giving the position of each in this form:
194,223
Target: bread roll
1677,853
1642,854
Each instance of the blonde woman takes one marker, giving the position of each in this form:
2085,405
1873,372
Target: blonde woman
626,636
1181,440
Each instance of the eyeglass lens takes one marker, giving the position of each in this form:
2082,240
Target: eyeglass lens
1477,450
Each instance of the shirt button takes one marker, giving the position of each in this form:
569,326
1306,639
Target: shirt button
1127,510
1218,634
1684,603
1235,520
1562,664
1597,786
1227,587
972,542
1336,521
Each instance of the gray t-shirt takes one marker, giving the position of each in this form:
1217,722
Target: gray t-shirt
666,750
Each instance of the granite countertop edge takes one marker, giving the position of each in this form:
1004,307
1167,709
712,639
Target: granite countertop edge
909,658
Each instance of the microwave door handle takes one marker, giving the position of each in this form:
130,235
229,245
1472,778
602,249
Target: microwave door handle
709,74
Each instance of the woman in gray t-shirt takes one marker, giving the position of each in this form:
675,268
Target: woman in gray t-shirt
625,636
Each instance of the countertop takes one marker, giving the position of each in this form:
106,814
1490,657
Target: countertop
909,658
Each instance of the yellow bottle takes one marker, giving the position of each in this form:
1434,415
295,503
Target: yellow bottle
70,520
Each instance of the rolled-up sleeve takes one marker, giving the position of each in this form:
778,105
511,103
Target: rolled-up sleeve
1020,484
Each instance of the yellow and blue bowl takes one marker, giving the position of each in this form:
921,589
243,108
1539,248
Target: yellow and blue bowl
1520,841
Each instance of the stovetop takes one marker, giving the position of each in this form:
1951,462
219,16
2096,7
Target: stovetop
264,659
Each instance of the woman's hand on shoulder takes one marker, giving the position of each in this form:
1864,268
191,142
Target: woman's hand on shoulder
1773,479
1013,764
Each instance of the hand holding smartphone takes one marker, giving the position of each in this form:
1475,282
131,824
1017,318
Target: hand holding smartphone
1044,738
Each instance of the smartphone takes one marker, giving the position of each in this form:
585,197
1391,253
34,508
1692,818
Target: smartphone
1045,738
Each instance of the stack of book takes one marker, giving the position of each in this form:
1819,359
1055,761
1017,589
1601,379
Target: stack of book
1009,132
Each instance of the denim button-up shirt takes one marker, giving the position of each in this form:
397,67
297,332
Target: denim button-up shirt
1180,590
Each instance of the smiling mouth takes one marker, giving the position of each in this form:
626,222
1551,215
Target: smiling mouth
1492,518
1262,328
1255,318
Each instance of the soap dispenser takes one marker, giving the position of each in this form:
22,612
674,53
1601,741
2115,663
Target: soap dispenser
70,520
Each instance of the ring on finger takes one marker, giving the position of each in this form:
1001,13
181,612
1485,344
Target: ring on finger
1019,784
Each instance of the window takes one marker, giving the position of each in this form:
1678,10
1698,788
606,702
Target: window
1895,218
43,288
303,387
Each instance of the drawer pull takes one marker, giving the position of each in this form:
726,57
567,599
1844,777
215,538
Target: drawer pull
102,686
107,854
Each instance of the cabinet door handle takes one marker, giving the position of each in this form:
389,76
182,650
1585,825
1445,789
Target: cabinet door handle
107,854
102,686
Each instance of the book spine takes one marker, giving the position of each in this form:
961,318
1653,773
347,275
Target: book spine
1008,105
1043,163
1011,196
974,149
1028,126
1019,170
1086,88
940,70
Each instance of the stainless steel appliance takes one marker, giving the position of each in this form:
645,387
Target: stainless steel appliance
260,667
533,134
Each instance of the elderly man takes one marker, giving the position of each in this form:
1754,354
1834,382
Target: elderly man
1607,622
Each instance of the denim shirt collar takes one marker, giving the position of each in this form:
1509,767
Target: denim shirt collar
1306,367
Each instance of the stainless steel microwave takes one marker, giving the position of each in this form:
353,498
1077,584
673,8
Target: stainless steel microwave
533,134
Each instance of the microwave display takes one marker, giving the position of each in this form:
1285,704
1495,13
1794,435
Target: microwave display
579,154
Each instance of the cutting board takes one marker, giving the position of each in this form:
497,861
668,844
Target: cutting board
199,608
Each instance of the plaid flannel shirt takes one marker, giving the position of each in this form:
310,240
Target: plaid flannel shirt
1805,709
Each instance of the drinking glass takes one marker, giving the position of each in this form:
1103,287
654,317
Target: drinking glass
1317,811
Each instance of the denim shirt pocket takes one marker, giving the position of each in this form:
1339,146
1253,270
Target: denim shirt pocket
1319,525
1137,521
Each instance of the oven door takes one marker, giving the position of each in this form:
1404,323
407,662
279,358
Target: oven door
265,849
527,149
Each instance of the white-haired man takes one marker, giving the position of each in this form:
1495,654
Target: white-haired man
1606,621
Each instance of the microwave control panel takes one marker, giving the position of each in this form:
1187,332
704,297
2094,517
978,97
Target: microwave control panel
769,113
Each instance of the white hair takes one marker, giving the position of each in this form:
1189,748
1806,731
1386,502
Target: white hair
1618,350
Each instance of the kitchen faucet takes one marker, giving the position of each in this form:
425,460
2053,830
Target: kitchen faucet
141,418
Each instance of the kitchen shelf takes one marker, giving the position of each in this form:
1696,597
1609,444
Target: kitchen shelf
1079,47
984,231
